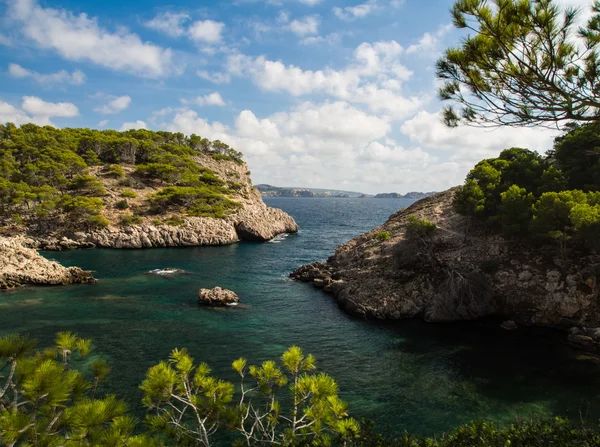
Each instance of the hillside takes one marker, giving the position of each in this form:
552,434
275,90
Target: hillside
427,261
276,191
81,188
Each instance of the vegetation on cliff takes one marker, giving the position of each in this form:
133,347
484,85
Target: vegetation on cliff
50,175
53,396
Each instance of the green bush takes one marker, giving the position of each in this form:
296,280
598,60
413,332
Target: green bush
130,219
419,228
122,204
128,193
87,185
199,201
115,170
176,221
383,235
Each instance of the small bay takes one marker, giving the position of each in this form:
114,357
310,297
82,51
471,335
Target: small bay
407,375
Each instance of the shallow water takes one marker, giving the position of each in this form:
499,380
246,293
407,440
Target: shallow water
408,375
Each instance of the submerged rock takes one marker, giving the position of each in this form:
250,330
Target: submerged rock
20,265
218,297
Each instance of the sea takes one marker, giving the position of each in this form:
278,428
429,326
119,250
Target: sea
406,375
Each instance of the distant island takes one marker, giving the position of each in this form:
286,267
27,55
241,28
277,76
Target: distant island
408,195
277,191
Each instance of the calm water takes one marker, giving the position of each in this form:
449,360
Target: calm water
408,375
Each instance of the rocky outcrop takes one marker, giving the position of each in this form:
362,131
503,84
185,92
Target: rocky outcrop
460,272
254,221
20,265
218,297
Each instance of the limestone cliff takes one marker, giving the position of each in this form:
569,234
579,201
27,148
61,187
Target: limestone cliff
252,221
20,265
463,271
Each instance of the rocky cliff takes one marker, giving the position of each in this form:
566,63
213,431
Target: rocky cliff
20,265
252,221
461,271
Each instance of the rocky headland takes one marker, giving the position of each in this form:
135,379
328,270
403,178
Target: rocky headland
21,265
252,221
461,271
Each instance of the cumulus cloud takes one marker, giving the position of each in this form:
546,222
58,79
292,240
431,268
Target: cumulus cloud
470,144
133,125
212,99
81,38
374,78
37,111
169,23
214,77
206,31
60,77
428,43
356,12
305,26
116,104
38,107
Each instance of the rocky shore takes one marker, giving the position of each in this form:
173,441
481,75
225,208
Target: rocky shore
461,272
20,265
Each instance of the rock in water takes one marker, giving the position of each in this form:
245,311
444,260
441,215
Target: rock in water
20,265
218,297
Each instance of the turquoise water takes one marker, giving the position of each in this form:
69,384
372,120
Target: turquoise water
408,375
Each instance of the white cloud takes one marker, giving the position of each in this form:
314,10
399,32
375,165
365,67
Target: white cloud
80,38
133,125
429,42
374,78
329,39
206,31
11,114
38,107
62,76
356,12
103,123
470,144
116,104
172,24
5,40
212,99
214,77
305,26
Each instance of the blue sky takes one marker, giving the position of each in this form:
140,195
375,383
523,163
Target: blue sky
321,93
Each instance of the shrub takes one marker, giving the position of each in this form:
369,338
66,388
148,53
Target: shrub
221,157
515,210
130,219
87,185
383,236
128,193
419,228
176,221
122,205
98,221
127,181
115,170
157,222
199,201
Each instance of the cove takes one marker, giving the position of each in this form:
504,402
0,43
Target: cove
407,375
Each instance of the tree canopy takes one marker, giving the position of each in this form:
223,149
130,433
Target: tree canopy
526,65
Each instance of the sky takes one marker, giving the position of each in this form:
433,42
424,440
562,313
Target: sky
315,93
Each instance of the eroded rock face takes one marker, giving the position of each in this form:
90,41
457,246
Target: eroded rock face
20,265
218,297
462,272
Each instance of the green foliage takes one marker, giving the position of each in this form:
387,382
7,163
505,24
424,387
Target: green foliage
115,171
48,397
515,210
522,66
577,153
419,228
130,219
41,165
383,236
176,221
128,193
199,201
122,204
45,399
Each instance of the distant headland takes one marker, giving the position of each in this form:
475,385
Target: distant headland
278,191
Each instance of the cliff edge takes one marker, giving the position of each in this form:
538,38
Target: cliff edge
460,271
